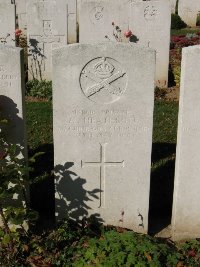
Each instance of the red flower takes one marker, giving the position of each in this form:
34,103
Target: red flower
128,34
18,32
192,253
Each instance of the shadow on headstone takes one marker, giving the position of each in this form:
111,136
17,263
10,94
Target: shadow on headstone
161,189
12,138
14,129
72,199
37,59
134,39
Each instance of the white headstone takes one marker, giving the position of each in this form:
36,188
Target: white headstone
21,13
186,211
46,29
173,6
103,116
96,19
150,23
188,11
72,21
12,93
7,23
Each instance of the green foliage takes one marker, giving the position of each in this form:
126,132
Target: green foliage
39,89
125,249
14,211
177,22
177,75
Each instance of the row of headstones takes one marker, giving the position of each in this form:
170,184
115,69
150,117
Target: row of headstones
48,24
103,119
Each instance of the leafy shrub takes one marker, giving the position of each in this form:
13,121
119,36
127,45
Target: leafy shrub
40,89
177,75
177,22
125,249
15,213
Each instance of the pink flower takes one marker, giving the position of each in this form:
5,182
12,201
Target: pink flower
128,34
18,32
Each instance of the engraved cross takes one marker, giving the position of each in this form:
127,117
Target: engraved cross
102,164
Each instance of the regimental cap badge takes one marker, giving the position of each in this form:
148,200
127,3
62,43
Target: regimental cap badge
103,80
103,69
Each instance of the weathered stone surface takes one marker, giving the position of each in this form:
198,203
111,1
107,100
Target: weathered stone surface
12,93
103,112
173,5
72,21
21,13
46,29
150,22
186,212
7,23
188,11
96,19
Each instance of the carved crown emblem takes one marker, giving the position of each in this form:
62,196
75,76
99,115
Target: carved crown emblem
103,69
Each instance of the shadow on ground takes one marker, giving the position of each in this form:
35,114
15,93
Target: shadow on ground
42,187
162,186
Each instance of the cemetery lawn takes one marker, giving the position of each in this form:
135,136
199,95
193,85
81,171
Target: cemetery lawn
69,245
185,31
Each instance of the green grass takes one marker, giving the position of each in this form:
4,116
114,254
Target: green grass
39,123
165,122
184,31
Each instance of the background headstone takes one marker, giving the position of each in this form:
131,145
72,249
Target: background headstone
96,19
173,5
12,93
7,23
150,22
46,29
72,21
188,11
21,13
186,212
103,115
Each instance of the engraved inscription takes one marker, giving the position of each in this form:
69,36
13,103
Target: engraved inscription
150,12
103,80
102,164
97,14
6,80
45,9
104,124
47,36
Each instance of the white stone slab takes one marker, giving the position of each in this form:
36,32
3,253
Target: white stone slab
103,115
96,18
7,23
46,29
188,11
72,21
12,93
21,13
173,6
150,22
186,211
